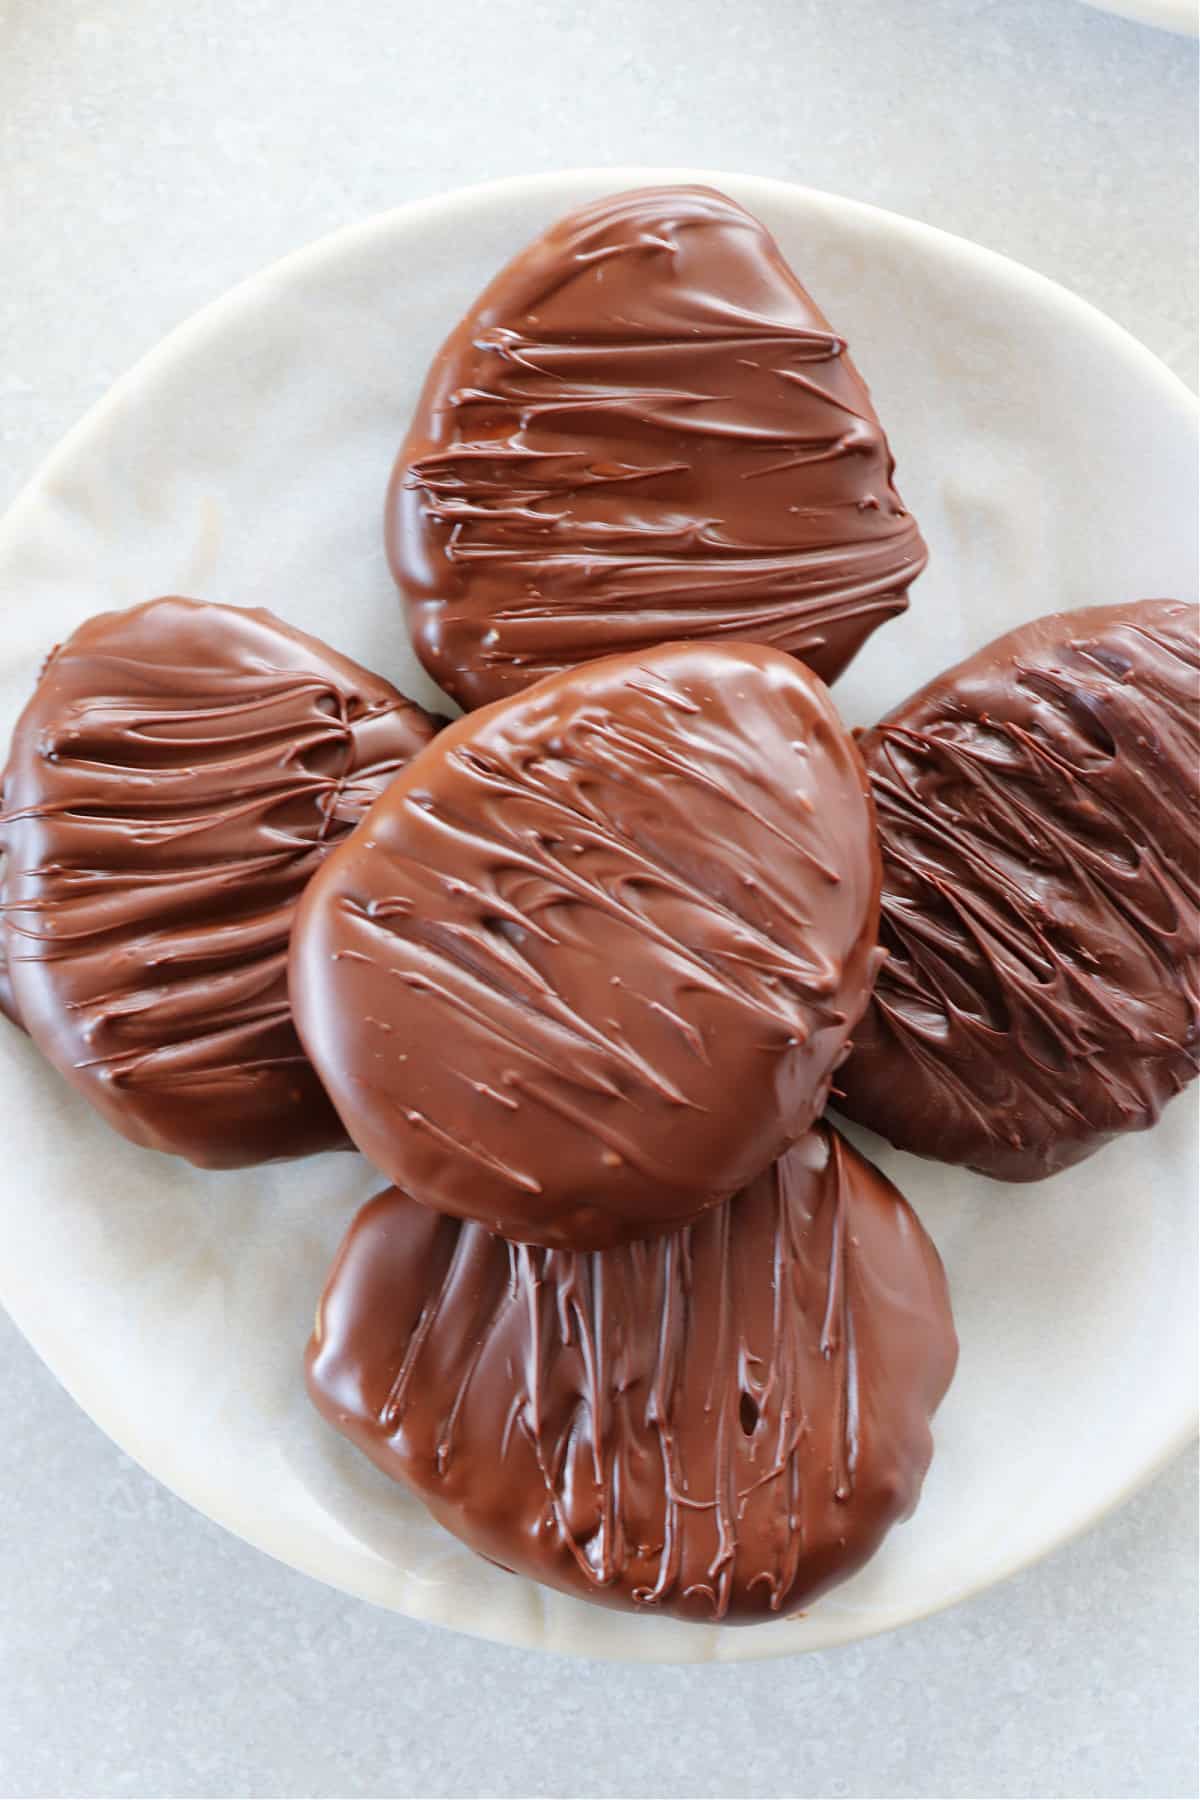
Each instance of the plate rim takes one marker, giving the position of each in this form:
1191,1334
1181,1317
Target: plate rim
189,336
1180,17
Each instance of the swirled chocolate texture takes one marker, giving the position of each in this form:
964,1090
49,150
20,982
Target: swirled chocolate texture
1038,812
588,965
178,775
720,1424
644,430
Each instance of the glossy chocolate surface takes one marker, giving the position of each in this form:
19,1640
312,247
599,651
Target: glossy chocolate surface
721,1423
644,430
180,772
1038,812
588,965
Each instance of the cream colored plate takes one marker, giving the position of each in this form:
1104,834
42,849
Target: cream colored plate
1180,16
1050,460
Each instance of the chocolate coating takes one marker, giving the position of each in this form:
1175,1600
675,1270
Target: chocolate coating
589,963
644,430
1037,813
179,773
720,1424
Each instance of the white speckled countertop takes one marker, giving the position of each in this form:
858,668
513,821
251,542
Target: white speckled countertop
152,154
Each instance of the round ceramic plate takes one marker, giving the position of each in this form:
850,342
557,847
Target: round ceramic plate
1182,16
1050,460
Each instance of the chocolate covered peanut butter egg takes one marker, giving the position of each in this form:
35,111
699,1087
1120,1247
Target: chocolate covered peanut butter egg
1038,809
644,429
588,965
719,1424
178,775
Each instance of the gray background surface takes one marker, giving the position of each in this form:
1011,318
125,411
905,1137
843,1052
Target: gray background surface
152,154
